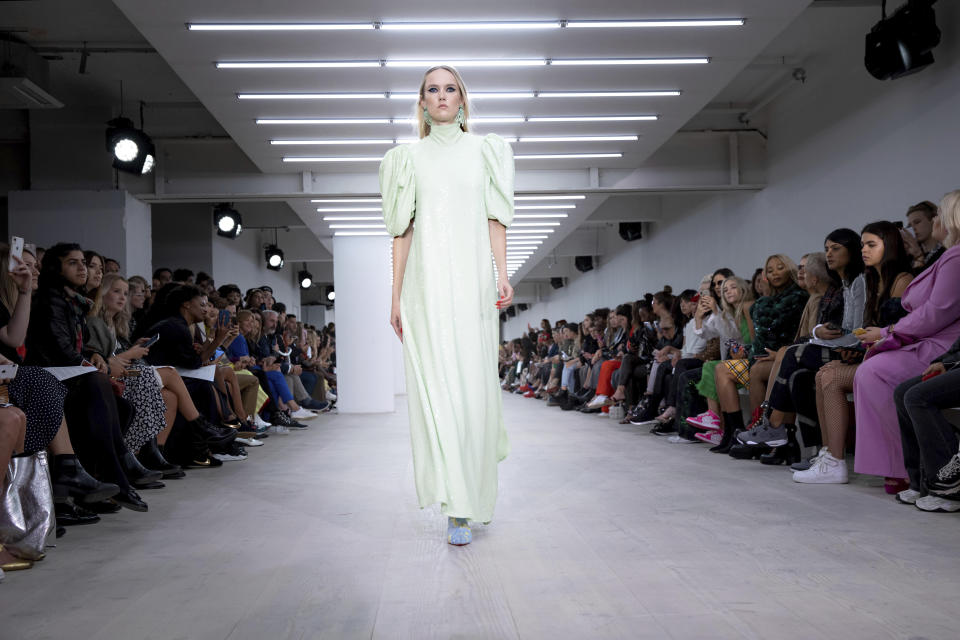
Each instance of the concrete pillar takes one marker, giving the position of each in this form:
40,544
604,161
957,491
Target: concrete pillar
365,350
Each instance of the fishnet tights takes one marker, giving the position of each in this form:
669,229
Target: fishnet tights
834,382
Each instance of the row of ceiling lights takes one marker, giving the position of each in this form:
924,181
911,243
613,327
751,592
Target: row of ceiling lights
463,26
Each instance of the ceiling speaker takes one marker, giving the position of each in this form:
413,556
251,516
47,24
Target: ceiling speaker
583,263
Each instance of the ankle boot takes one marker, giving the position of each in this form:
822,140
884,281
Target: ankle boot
786,454
152,457
138,475
70,479
732,422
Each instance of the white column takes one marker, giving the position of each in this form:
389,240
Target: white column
365,350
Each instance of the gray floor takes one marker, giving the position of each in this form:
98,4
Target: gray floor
602,531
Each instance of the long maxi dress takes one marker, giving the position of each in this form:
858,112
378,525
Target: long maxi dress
450,183
931,325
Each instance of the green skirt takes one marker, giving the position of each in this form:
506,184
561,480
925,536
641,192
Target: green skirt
707,387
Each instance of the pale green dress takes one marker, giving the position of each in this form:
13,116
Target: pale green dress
450,183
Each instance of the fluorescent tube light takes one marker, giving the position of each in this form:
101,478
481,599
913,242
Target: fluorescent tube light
615,24
520,207
591,118
311,96
492,62
467,26
346,209
540,215
606,94
333,159
558,197
535,224
345,200
300,64
331,142
360,233
352,218
580,139
580,62
209,26
358,226
563,156
323,120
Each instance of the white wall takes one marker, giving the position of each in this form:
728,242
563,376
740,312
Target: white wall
139,239
241,261
844,150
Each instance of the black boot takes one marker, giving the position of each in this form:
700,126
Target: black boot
152,458
70,479
138,475
742,451
129,499
732,422
211,433
69,513
786,454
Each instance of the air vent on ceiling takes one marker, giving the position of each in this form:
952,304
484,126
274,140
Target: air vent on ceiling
23,79
21,93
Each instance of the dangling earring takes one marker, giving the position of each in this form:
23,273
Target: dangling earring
426,117
459,118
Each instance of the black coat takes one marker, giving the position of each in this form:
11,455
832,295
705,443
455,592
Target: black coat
57,321
175,346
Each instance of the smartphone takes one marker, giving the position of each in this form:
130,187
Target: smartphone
8,371
898,224
152,341
16,252
224,318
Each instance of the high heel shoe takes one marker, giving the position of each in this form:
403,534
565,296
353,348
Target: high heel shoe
17,564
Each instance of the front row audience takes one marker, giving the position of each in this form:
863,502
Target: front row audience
876,315
125,386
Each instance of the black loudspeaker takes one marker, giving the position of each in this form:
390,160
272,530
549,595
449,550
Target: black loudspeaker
583,263
503,317
556,283
523,306
631,231
511,311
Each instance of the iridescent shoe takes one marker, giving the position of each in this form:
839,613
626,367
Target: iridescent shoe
458,531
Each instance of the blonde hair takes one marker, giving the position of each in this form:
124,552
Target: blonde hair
746,296
950,217
423,129
246,314
121,321
788,263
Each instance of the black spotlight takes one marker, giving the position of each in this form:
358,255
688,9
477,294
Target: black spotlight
305,279
583,263
503,317
631,231
331,294
556,283
511,311
274,257
132,149
523,306
228,220
901,44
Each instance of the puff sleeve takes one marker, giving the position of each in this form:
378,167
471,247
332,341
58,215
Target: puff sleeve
398,189
498,187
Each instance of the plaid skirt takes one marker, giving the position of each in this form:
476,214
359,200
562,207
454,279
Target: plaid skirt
740,368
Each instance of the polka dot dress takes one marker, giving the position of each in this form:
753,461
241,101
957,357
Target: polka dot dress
149,409
40,396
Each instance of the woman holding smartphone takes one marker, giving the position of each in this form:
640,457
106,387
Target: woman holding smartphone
458,188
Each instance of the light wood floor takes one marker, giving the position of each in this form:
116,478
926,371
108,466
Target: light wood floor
602,531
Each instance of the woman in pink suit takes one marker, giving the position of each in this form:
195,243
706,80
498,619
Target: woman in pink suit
905,349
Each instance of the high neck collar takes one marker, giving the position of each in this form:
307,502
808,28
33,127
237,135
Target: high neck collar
445,133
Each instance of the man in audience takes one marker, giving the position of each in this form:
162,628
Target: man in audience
183,276
921,245
161,277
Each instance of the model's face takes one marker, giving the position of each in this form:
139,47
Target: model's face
837,255
441,96
31,261
871,249
731,292
802,273
138,297
73,268
777,273
921,225
94,273
115,298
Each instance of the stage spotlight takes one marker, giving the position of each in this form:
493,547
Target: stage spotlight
331,294
228,221
274,257
902,44
132,149
306,280
556,283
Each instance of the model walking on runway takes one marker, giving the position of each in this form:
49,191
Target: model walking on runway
447,200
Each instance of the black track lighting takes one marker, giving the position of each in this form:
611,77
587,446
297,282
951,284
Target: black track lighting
132,149
305,279
274,256
228,221
902,44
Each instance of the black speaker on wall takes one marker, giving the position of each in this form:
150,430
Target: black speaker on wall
523,306
631,231
583,263
556,283
511,311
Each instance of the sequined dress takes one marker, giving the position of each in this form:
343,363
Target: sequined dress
450,183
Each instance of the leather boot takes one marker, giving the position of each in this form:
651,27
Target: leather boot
140,476
69,513
152,458
70,479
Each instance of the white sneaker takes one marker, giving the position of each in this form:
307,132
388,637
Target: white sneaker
675,439
228,457
303,414
331,396
280,429
908,496
825,470
597,401
259,422
935,503
250,442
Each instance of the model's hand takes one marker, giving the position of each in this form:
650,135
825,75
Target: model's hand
506,294
395,319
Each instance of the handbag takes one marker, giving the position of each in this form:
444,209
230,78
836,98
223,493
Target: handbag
617,412
27,515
